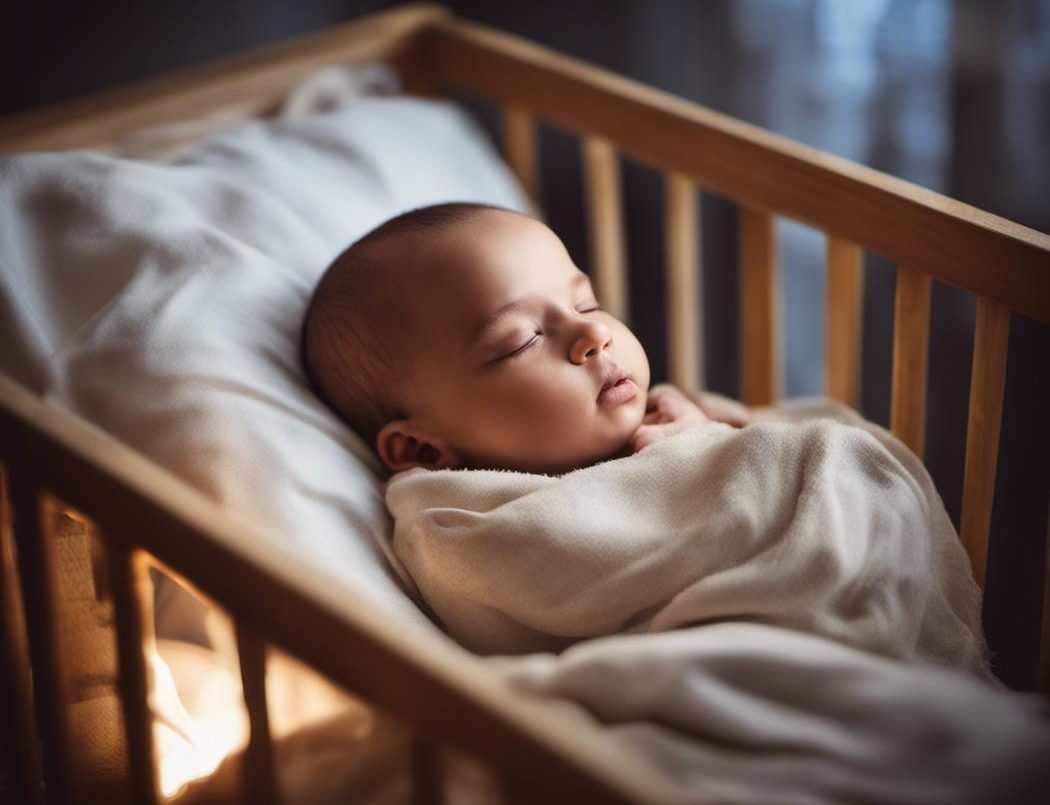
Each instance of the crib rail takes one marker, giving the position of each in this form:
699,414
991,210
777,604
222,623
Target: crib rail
952,241
142,513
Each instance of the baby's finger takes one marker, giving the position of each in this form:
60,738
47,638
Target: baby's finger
647,435
676,407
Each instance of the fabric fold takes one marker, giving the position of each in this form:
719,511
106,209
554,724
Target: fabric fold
816,525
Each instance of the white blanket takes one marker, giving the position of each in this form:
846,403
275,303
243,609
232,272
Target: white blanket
748,713
790,593
827,528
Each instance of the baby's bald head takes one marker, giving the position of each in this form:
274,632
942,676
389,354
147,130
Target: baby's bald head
353,333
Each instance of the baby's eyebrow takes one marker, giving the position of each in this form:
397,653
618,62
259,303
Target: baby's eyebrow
578,280
492,319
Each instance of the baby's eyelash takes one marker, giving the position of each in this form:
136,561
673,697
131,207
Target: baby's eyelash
525,346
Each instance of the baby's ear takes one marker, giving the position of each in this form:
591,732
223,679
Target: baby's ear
401,445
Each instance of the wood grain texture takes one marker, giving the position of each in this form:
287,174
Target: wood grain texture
843,317
987,383
685,348
759,320
759,170
412,673
236,88
605,225
911,336
519,149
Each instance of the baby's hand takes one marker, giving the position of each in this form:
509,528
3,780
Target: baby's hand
666,403
667,412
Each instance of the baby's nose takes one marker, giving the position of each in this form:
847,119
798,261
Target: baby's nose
594,338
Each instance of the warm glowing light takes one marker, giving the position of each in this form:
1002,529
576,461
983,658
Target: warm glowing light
191,747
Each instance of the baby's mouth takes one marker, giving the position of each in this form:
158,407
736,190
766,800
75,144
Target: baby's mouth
617,389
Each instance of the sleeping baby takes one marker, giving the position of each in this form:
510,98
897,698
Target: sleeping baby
461,335
543,494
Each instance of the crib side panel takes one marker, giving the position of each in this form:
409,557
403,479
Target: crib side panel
759,170
440,691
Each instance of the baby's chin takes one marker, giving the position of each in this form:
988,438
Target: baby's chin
608,449
609,439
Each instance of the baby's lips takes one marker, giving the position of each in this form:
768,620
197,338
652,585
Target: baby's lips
619,392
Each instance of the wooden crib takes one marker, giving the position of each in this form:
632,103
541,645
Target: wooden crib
54,463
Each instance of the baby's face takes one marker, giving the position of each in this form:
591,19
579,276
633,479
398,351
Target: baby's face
512,363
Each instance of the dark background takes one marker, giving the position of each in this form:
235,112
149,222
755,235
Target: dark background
952,95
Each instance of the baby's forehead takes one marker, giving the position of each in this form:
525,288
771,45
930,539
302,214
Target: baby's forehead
495,245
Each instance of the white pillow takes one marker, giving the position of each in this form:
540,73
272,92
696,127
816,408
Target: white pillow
163,302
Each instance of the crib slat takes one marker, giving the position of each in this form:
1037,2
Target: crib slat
605,221
20,743
36,565
843,312
259,783
133,608
754,168
428,786
911,335
233,562
1044,644
759,320
987,382
519,149
684,280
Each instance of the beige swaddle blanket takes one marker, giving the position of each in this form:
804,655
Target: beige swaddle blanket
818,526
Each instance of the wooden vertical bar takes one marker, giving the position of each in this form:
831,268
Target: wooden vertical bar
41,596
911,336
843,312
759,320
987,383
20,743
415,70
684,280
427,780
519,149
259,782
1044,643
133,609
605,220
